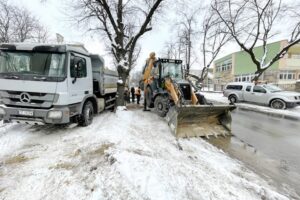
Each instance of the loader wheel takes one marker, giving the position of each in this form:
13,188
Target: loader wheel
148,97
161,106
87,115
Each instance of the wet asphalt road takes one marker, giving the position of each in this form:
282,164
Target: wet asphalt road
269,145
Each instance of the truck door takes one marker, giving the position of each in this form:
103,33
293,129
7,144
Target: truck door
80,80
257,95
247,94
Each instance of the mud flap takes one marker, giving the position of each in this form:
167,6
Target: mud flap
200,120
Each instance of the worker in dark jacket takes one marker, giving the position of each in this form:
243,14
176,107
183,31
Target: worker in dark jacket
138,95
127,95
132,90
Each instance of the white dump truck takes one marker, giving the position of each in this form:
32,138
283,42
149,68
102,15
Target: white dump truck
53,84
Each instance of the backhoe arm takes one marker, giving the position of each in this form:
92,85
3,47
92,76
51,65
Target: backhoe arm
150,64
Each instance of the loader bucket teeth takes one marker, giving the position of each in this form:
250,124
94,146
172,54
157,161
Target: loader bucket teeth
200,120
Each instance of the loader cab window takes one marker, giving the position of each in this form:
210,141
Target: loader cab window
78,67
171,69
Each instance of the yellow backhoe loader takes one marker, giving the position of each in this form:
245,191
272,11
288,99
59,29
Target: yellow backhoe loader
174,95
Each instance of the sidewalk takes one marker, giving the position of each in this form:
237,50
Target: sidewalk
290,113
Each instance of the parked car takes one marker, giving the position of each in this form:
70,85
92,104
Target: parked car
265,94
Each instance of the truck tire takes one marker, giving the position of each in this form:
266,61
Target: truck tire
161,106
233,98
278,104
86,118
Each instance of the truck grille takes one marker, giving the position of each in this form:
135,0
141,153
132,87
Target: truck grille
27,99
30,93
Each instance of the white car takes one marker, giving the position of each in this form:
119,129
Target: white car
266,94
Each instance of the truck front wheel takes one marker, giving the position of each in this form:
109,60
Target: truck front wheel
278,104
86,118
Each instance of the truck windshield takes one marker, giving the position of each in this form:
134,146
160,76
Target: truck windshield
272,88
32,63
172,70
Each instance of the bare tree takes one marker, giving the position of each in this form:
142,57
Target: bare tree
6,19
24,25
214,36
187,31
41,34
123,22
18,24
174,48
253,22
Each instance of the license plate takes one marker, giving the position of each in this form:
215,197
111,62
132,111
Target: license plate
25,113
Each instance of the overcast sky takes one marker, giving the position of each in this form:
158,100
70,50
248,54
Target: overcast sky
52,15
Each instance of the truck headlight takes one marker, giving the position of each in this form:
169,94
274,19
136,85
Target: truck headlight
292,98
2,111
54,114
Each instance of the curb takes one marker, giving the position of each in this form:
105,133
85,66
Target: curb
270,113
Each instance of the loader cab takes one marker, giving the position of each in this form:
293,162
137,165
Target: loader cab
170,68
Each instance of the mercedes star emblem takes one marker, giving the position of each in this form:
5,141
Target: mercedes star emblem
25,98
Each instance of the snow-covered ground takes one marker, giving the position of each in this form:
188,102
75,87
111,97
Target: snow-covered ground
218,97
129,154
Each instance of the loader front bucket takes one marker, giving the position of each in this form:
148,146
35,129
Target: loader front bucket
200,120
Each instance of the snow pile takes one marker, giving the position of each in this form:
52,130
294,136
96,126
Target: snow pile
120,81
215,96
126,155
120,108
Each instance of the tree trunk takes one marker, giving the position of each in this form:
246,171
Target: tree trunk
123,75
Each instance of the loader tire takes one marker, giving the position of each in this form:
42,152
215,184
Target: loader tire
86,118
161,106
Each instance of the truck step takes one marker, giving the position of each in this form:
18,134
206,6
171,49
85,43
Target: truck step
110,100
109,106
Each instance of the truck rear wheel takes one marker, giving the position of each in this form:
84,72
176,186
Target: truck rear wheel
232,98
86,118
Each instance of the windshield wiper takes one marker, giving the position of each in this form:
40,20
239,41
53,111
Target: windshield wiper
11,77
28,72
40,78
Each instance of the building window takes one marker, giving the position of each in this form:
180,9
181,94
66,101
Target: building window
294,56
287,75
224,66
244,78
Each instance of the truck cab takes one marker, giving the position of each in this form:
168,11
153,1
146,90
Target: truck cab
52,84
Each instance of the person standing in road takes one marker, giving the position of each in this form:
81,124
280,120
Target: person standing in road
132,90
138,95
